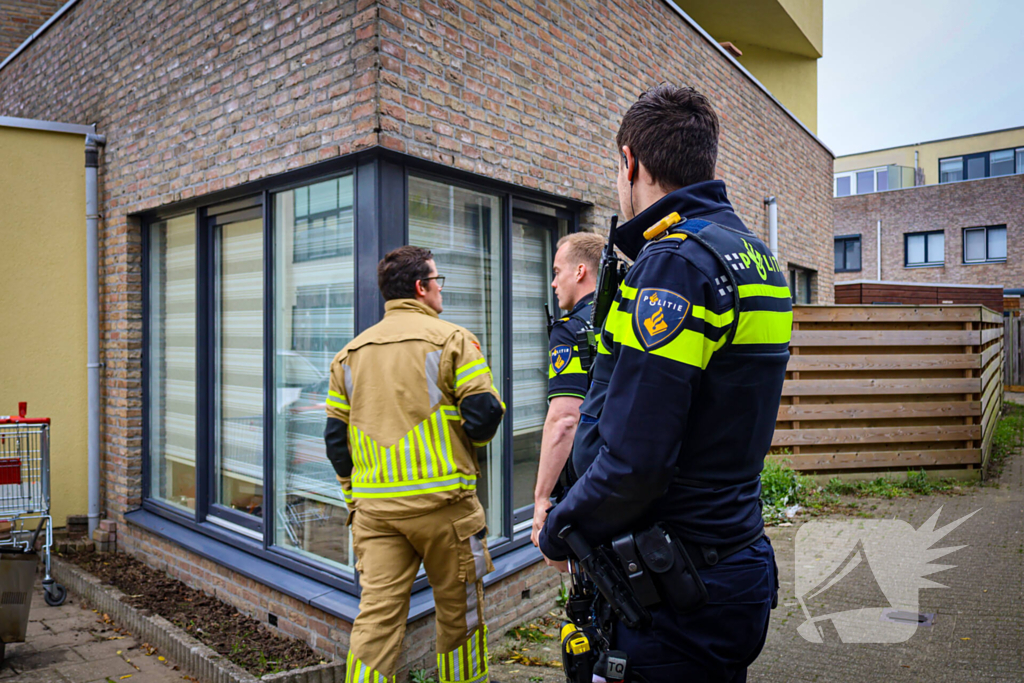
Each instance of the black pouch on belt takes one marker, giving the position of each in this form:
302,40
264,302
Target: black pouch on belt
672,569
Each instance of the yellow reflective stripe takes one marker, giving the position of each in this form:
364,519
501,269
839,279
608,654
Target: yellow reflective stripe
448,442
348,496
689,347
627,291
435,443
573,367
467,368
459,381
448,482
467,663
423,462
763,290
764,327
601,349
718,320
337,404
331,393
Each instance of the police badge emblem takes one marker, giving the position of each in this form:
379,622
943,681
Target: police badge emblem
659,317
560,357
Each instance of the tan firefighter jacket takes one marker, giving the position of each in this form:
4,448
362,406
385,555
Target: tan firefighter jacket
398,387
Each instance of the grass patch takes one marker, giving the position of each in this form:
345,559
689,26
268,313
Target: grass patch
1009,437
781,488
916,483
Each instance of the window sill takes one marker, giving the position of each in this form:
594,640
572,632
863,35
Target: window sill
983,263
849,270
926,265
309,591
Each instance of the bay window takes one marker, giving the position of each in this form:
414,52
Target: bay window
249,295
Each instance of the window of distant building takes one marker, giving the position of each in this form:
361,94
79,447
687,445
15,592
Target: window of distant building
801,284
985,245
981,165
924,249
847,253
861,182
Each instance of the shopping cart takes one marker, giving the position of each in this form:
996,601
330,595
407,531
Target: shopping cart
25,492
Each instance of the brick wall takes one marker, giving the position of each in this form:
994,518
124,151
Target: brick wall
505,606
193,98
949,207
533,93
197,97
20,18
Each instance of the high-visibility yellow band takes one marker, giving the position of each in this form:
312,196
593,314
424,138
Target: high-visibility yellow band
764,327
716,319
689,347
417,488
469,366
764,290
573,367
460,380
358,672
627,291
467,663
337,404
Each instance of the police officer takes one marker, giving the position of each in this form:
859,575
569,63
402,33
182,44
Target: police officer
577,259
685,393
410,400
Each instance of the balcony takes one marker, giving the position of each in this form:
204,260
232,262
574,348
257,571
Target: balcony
878,179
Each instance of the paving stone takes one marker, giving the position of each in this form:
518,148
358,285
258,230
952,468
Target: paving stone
97,669
978,633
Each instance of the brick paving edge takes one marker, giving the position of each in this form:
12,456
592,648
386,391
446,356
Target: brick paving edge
195,657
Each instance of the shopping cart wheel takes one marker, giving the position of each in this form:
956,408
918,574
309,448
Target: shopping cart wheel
55,595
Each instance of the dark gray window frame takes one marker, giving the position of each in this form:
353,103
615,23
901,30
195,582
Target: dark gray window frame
380,180
986,228
927,263
860,244
988,167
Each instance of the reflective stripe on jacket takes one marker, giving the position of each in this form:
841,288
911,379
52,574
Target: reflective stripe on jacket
398,386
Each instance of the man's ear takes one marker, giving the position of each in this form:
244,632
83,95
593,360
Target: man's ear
419,288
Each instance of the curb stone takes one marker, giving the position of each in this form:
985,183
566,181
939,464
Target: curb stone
193,656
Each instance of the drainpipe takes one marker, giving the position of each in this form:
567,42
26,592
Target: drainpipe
92,153
773,225
878,249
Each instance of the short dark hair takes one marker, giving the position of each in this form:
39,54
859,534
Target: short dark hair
400,269
673,132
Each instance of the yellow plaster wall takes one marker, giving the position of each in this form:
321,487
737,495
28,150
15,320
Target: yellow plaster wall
929,153
43,299
792,78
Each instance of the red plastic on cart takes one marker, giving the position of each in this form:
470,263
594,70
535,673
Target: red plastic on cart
10,471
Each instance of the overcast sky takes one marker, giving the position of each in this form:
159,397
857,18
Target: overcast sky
896,72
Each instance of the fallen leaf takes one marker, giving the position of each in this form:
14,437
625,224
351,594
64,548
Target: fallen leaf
126,676
162,658
118,652
965,639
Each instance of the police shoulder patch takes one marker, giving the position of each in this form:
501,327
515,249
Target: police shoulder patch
659,316
560,357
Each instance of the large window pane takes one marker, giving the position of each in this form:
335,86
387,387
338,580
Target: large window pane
238,375
840,257
936,252
463,229
915,249
1000,163
996,243
865,182
951,170
853,254
313,320
974,245
975,167
172,361
1020,160
531,274
883,180
843,186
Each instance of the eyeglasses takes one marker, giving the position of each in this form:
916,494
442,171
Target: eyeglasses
439,278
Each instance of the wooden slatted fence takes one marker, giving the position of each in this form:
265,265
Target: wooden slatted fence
891,388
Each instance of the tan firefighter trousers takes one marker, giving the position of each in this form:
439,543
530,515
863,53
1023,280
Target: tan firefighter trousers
450,543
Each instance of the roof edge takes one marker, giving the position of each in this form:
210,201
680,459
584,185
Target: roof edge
714,43
38,32
930,142
51,126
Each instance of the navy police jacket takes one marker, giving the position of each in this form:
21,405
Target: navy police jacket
684,397
566,376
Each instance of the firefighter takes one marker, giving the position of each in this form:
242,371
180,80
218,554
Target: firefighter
682,406
410,401
577,258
